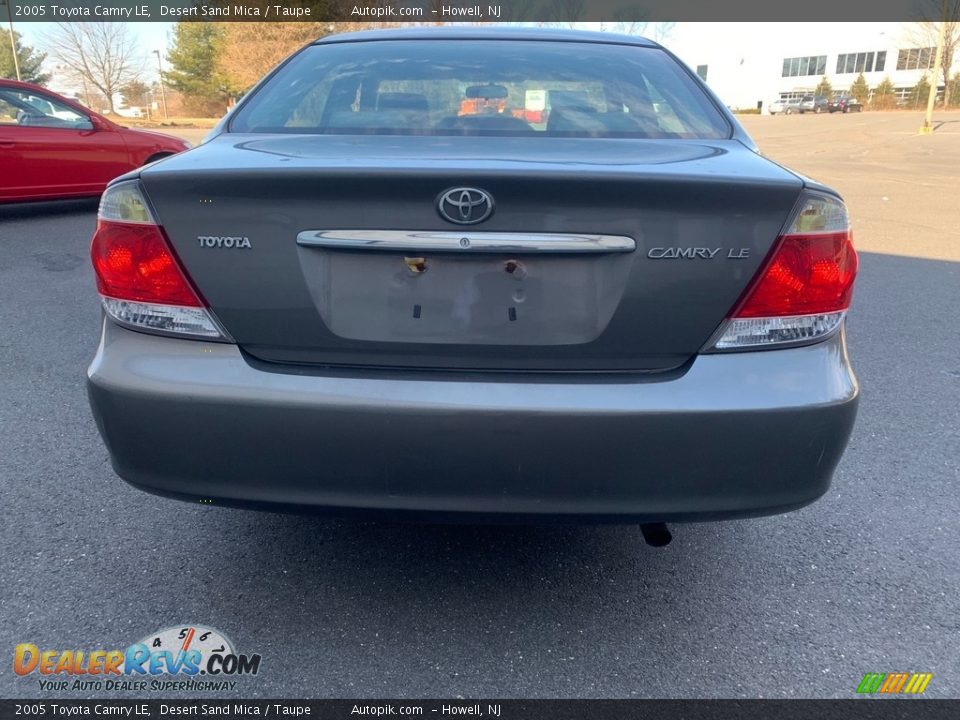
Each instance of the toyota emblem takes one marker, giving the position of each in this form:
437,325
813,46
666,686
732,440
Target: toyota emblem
465,205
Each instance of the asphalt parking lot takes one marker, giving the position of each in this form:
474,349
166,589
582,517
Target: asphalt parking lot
800,605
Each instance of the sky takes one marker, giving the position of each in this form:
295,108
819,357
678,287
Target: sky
150,37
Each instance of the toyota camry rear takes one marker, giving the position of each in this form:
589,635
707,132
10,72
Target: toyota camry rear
517,274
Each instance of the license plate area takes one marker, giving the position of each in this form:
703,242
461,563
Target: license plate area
489,298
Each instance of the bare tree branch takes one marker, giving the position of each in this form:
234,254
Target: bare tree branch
103,54
570,12
926,32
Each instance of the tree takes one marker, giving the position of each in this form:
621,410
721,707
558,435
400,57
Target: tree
884,95
926,32
953,87
251,50
29,59
627,24
568,12
824,89
860,90
135,93
103,54
920,92
195,71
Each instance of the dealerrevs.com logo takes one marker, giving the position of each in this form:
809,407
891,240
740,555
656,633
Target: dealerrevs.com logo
186,657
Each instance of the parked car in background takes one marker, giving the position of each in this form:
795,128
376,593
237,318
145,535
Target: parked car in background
354,296
814,103
53,147
844,102
785,107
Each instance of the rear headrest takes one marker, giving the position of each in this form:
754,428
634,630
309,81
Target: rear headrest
485,122
579,120
402,101
570,99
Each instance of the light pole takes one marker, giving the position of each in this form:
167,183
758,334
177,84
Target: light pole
927,128
163,93
13,43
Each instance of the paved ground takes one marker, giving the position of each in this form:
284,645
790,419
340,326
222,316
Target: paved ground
903,188
798,605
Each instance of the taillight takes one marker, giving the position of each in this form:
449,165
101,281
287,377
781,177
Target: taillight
139,278
802,292
133,262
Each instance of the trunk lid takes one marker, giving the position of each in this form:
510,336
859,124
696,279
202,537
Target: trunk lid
548,282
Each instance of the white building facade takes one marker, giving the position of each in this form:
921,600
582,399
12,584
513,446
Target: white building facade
751,63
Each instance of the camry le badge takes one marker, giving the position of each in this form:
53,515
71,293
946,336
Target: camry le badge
694,253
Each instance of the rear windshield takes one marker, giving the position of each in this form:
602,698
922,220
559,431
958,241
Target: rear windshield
482,87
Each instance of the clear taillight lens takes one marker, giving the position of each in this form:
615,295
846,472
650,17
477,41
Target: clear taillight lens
140,280
803,290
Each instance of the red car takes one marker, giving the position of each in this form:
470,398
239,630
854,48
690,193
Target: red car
52,147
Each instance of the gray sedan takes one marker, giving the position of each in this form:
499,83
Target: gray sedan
786,107
512,274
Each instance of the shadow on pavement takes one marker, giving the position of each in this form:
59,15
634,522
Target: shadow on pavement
22,211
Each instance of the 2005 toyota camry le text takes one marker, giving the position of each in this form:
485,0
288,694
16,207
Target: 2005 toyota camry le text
515,274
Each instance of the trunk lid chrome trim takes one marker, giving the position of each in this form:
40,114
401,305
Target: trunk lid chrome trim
471,242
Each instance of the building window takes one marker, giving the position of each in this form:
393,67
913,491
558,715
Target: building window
903,95
702,72
916,59
863,62
801,66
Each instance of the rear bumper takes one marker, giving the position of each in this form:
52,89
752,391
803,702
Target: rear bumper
736,435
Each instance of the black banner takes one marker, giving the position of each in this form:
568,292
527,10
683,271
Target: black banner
860,709
436,11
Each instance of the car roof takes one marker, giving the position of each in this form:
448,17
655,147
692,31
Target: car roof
488,33
19,85
23,85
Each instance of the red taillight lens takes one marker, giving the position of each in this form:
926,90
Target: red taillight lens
133,261
802,292
807,274
141,283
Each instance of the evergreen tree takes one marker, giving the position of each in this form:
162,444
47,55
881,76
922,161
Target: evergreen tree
194,73
824,88
29,59
884,95
860,90
919,93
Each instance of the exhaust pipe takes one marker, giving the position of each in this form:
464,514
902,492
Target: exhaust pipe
656,534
